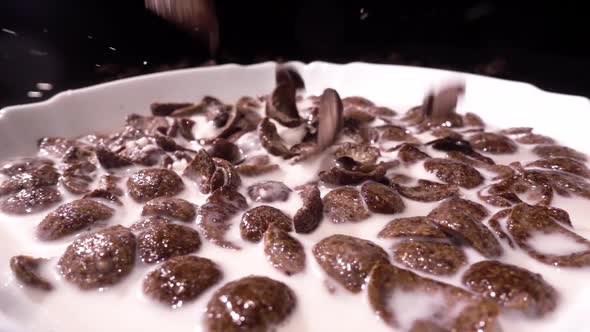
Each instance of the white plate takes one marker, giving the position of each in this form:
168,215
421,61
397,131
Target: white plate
101,107
499,102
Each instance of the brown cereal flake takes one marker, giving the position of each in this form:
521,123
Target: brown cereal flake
427,191
453,172
176,208
224,149
257,220
256,165
412,227
512,287
535,139
270,302
343,176
492,143
148,222
30,200
25,269
410,154
104,194
72,217
22,165
161,241
330,118
309,216
459,310
558,151
282,106
381,198
361,153
45,175
269,191
284,252
473,120
201,170
181,279
151,183
562,164
345,204
429,257
109,159
525,220
99,259
348,260
463,220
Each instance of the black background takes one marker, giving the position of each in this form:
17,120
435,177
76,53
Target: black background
77,43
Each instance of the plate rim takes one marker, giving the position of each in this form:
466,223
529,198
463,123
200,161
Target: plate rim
192,70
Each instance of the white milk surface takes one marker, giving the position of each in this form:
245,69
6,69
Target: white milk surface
123,307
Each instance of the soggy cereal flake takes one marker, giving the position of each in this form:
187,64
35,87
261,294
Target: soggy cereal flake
381,198
256,165
430,257
30,200
105,195
558,151
181,279
427,191
176,208
201,170
25,269
22,165
473,120
256,221
213,216
271,141
361,153
283,251
249,304
99,259
412,227
535,139
512,287
345,204
562,164
151,183
453,172
72,217
151,221
55,146
269,191
525,221
343,176
463,219
224,149
309,216
165,240
410,154
109,159
45,175
492,143
348,260
431,303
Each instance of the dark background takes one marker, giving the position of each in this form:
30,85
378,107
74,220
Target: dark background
77,43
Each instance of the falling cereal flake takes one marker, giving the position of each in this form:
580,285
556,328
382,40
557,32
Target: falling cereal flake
34,94
9,31
44,86
364,14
